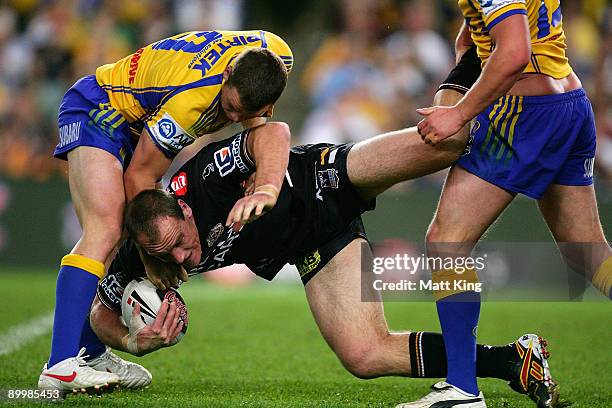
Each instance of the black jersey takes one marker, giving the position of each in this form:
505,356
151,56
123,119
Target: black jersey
316,203
316,215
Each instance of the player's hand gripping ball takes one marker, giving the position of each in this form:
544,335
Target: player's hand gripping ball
143,292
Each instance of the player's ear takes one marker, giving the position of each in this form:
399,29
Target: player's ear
227,72
186,209
269,112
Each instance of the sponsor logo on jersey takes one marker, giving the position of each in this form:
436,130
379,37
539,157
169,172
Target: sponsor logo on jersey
236,146
210,51
179,184
224,161
308,263
215,257
112,289
214,234
69,133
134,65
169,135
589,165
225,246
208,170
328,178
167,128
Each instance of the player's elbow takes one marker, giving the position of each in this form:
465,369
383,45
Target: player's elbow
516,57
520,60
136,180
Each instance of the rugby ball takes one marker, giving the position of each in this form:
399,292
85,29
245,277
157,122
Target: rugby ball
142,291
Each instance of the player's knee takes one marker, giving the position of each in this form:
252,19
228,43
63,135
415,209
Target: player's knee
359,359
440,231
98,243
102,235
434,232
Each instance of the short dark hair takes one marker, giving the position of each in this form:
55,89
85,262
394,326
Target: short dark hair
146,208
259,77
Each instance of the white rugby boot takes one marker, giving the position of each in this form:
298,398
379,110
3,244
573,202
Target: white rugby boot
73,375
131,375
445,395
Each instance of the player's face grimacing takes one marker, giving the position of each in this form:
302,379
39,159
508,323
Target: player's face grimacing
176,241
233,110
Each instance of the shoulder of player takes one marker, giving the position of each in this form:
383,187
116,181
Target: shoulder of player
495,11
492,7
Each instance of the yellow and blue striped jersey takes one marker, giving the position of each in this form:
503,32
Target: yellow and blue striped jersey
172,87
545,26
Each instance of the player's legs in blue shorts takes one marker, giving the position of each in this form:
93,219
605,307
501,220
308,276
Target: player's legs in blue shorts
96,141
528,145
544,147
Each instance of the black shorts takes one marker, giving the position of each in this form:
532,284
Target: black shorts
310,264
465,74
334,208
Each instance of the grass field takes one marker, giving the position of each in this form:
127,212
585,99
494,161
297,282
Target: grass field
259,347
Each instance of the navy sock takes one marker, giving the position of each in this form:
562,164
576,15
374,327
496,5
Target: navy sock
458,316
74,293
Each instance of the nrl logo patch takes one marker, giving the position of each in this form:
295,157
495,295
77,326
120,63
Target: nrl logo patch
328,178
214,234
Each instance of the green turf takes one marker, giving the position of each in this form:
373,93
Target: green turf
259,347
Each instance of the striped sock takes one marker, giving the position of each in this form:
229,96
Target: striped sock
602,279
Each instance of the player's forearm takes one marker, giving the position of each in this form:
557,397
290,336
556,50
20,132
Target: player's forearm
270,149
135,182
146,168
107,325
503,68
498,76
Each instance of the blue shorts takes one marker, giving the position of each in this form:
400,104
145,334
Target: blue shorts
523,144
87,119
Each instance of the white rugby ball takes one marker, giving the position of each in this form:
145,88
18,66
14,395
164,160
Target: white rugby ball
142,291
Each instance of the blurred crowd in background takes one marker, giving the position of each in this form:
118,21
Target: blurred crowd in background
361,66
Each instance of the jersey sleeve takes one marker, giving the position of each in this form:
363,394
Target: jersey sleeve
167,129
184,116
495,11
218,165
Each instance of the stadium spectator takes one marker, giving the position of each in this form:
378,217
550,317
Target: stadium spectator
366,77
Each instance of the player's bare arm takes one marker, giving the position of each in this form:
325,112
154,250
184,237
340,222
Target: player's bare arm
502,70
139,339
146,168
269,147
